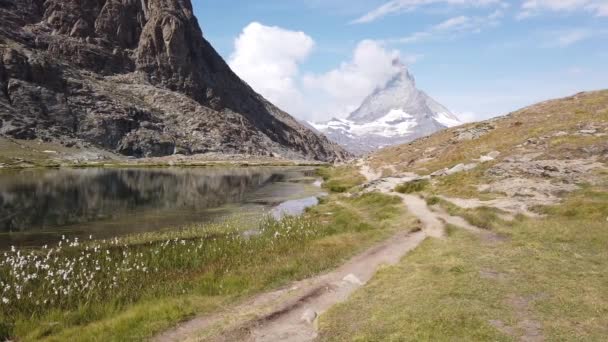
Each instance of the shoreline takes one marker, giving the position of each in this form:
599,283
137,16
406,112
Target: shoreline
23,154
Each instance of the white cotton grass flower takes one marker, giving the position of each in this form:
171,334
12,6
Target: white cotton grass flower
102,270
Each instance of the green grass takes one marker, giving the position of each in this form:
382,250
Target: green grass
463,184
482,217
412,187
187,273
342,178
552,270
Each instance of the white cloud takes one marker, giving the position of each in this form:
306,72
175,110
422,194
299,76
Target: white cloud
344,88
268,59
452,26
400,6
533,7
568,38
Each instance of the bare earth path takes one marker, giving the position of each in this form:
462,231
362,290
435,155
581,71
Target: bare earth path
288,314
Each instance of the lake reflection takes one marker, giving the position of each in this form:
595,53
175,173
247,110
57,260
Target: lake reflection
37,206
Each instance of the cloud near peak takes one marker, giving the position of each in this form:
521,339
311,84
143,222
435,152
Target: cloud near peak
269,59
345,87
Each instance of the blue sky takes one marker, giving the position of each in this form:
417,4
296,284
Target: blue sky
319,58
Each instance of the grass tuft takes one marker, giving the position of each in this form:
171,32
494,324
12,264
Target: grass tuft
342,178
413,186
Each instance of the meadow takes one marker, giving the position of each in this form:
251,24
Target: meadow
136,286
530,279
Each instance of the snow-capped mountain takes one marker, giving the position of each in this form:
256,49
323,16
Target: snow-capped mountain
394,114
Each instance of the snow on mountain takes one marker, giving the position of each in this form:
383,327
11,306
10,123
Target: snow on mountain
394,114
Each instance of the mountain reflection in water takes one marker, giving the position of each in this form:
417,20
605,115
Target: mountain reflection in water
37,205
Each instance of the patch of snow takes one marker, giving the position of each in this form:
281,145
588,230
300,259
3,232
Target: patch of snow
395,123
447,119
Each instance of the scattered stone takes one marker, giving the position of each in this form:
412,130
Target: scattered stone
531,141
456,169
351,278
461,168
440,173
473,133
551,168
493,154
49,152
469,167
587,131
560,134
309,316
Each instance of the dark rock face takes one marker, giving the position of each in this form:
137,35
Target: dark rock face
135,77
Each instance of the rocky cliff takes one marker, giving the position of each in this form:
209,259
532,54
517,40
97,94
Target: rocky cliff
135,77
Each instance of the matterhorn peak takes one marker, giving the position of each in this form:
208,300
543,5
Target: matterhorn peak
395,113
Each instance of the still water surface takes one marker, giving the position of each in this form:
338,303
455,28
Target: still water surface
38,206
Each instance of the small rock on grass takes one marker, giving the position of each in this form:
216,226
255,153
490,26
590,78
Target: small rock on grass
494,154
560,134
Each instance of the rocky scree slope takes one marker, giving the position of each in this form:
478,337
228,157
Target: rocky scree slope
137,78
393,114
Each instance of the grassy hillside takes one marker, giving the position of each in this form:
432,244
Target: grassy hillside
541,123
537,268
543,279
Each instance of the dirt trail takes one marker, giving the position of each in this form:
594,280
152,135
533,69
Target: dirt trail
368,172
288,314
431,223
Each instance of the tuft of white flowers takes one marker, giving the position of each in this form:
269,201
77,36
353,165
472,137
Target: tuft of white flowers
74,273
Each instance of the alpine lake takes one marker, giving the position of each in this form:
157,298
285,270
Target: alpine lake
42,207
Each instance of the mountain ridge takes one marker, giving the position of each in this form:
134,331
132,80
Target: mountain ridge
137,78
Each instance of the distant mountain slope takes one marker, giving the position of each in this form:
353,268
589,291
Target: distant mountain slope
575,127
137,78
394,114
